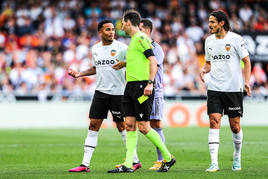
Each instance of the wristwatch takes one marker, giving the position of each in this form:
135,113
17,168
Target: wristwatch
150,82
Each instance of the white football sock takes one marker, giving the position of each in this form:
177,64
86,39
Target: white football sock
124,136
214,141
237,140
90,145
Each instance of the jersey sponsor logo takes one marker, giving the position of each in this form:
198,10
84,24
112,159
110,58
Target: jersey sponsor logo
220,57
104,62
113,52
228,47
115,112
234,108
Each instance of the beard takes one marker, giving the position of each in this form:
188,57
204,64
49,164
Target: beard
108,40
215,32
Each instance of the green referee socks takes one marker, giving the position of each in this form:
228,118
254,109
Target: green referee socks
154,137
130,145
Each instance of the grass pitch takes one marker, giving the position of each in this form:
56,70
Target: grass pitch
49,153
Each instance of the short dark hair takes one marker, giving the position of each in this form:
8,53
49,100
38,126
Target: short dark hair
100,25
222,16
133,16
147,24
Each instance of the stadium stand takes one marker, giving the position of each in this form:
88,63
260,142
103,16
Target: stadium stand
39,39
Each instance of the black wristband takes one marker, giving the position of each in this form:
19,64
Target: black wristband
150,82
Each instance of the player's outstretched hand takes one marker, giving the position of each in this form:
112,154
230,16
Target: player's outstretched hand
119,65
73,73
202,76
248,90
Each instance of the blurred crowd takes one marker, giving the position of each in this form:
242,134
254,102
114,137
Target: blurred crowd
40,39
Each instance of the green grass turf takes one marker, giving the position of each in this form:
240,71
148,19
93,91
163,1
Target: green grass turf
49,153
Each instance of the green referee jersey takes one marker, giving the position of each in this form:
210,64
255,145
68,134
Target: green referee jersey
137,67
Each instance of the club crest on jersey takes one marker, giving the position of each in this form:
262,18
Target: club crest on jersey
113,52
228,47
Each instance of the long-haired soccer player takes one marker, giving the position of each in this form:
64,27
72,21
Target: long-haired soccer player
223,51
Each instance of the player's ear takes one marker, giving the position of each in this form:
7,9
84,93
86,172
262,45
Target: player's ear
148,31
222,23
100,32
128,22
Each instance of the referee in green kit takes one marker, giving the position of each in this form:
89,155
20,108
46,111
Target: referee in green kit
141,68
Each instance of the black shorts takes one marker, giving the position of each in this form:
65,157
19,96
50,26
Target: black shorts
131,105
228,103
102,103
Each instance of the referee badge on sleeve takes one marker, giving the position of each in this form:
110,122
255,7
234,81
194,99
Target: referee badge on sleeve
228,47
